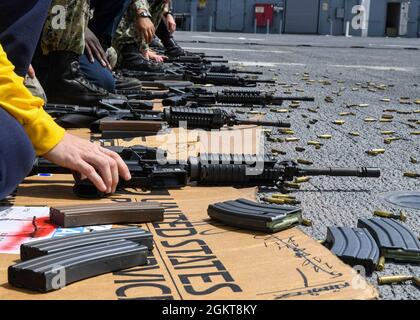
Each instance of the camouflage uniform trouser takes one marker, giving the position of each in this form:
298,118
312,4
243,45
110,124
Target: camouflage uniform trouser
64,29
127,33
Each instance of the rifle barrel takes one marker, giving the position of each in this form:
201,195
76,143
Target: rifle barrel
362,172
277,124
278,98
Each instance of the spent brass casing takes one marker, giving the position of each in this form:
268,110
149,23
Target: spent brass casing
303,161
314,143
292,185
387,116
283,196
282,201
381,264
382,214
402,216
302,179
286,131
389,215
375,152
307,222
384,280
369,120
387,132
325,136
391,139
412,174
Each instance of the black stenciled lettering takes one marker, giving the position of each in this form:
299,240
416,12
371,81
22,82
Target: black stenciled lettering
206,277
213,264
173,224
121,292
176,232
233,287
180,260
203,247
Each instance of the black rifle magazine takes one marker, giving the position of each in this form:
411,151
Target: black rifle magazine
246,214
395,240
106,213
354,246
51,246
53,272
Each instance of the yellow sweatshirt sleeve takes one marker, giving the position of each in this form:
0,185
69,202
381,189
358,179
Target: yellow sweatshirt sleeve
16,99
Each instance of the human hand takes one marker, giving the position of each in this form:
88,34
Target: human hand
151,55
146,29
101,166
94,49
170,22
31,72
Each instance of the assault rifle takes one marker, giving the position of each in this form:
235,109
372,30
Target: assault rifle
126,123
185,95
149,170
242,97
218,79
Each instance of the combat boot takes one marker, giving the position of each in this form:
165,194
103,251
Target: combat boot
172,49
126,83
132,59
156,44
67,84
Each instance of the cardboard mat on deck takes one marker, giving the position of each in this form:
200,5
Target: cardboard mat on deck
195,258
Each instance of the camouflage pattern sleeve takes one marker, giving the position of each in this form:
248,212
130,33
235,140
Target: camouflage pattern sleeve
141,5
127,33
70,36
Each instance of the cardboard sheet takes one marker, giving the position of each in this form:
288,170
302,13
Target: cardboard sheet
195,258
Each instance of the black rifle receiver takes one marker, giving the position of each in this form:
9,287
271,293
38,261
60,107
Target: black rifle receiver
206,169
